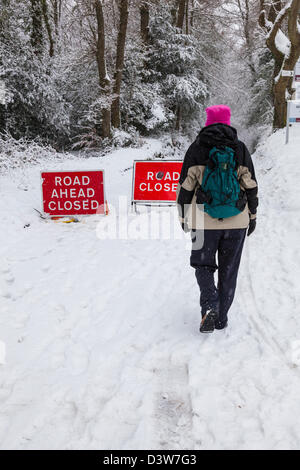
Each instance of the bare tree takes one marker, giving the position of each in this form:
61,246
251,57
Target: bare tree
192,13
181,12
187,26
47,22
4,18
115,109
281,25
57,9
36,26
248,21
145,18
104,79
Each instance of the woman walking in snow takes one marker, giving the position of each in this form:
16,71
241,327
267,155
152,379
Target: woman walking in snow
217,201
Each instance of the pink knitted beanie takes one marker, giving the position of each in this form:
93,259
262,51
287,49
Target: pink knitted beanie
218,114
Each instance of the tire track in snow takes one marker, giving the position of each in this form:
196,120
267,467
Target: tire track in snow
173,413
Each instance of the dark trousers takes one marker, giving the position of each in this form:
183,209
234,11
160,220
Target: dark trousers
227,246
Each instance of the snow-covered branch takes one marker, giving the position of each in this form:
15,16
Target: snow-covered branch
280,23
276,40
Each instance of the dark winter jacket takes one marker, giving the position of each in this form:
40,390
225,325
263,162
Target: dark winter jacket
192,174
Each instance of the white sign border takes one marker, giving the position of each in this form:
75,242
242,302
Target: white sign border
72,171
150,202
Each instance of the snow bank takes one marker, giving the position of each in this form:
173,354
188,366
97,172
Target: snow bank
20,153
275,255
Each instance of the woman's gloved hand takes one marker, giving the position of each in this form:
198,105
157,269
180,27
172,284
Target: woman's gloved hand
185,227
252,227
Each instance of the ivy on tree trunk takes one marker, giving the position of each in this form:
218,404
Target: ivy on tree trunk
145,18
182,12
36,26
48,27
102,71
115,108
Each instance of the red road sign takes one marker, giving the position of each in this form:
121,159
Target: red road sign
73,192
156,180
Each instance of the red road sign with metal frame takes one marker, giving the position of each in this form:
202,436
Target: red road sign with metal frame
73,192
155,180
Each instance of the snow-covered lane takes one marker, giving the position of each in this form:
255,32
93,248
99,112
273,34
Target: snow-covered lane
103,349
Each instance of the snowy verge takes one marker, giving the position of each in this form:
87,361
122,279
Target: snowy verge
21,153
274,259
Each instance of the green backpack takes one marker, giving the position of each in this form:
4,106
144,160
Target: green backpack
220,183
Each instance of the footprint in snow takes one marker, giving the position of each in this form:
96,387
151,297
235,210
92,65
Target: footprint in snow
9,278
5,268
6,294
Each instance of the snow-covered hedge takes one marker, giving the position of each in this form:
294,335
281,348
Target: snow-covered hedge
17,153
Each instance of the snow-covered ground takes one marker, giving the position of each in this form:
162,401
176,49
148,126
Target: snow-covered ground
102,342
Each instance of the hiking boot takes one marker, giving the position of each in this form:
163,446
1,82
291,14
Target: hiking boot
221,325
208,322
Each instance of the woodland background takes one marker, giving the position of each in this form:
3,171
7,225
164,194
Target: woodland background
80,74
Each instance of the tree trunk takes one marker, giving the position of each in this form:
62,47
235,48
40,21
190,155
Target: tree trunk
48,27
246,21
282,87
178,118
181,11
2,118
174,10
192,13
4,17
36,26
115,108
280,106
180,22
102,71
145,18
187,17
56,14
59,10
272,22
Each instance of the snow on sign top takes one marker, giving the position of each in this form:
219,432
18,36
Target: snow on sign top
73,192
